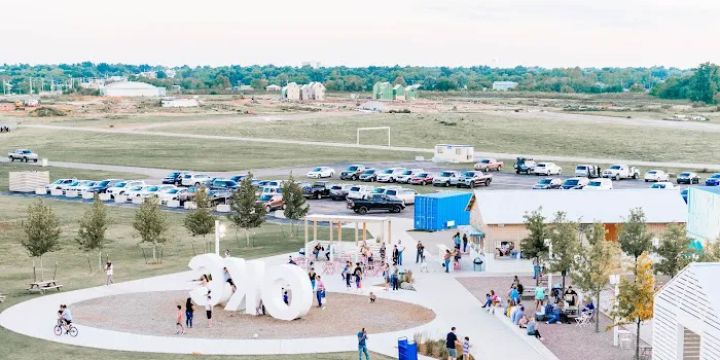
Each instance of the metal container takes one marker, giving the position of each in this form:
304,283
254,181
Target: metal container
443,210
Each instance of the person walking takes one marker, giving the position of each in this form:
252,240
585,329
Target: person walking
446,260
456,240
450,341
320,293
346,274
108,273
358,275
395,255
179,329
189,313
464,243
401,249
420,256
209,310
312,275
362,344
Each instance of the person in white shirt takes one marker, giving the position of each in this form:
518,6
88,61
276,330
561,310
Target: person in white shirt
400,248
109,273
209,310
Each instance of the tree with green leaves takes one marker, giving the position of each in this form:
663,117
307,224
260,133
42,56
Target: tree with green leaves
296,206
533,246
635,299
200,221
711,252
595,262
674,249
151,224
42,231
565,240
635,238
93,226
246,212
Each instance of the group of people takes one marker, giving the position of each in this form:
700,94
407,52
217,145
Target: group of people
455,348
513,309
318,287
4,128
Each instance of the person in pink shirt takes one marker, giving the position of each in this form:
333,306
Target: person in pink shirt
319,291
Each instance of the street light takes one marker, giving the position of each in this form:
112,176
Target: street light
615,281
219,233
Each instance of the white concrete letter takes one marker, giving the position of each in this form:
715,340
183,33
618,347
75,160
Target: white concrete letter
296,280
212,264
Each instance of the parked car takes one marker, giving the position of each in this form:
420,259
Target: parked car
276,189
274,183
713,180
352,172
620,171
662,185
368,175
575,183
376,202
599,184
446,178
170,194
359,192
406,175
23,155
85,185
195,179
472,179
383,189
70,186
186,194
586,170
407,196
237,178
548,183
423,178
173,178
217,197
223,184
58,184
524,166
389,175
489,165
272,202
102,186
317,190
547,169
339,191
143,191
688,177
122,187
321,172
656,175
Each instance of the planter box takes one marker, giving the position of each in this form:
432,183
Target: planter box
223,208
56,192
88,195
189,205
120,199
138,200
173,204
104,197
41,191
71,194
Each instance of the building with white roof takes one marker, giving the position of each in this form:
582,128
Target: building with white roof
132,89
686,322
453,153
500,214
504,85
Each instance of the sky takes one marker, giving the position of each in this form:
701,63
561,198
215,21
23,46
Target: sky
498,33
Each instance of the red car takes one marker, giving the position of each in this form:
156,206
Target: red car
421,179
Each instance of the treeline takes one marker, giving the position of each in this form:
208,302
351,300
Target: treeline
664,82
702,85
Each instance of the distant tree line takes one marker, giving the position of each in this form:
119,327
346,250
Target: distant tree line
699,84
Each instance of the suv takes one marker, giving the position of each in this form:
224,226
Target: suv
122,187
407,175
339,191
713,180
407,196
102,186
547,183
688,177
376,202
23,155
547,169
272,202
446,178
656,176
59,184
369,175
423,178
586,170
472,179
359,192
173,178
619,171
489,165
195,179
317,190
223,184
390,175
352,172
575,183
524,166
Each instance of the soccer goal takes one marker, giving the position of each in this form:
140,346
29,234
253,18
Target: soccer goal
379,128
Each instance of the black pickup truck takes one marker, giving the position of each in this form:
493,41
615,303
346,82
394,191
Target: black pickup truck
376,202
318,190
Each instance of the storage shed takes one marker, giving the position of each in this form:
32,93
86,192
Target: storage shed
411,92
383,91
704,213
291,92
453,153
686,323
443,210
399,93
27,181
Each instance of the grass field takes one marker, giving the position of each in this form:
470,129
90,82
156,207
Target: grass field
59,173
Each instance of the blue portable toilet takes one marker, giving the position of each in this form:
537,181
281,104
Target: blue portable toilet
407,350
443,210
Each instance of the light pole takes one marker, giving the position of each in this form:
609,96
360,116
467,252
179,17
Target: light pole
219,233
548,243
615,281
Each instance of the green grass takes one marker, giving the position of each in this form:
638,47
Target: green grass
173,153
59,173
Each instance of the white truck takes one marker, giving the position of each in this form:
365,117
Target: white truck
620,171
23,155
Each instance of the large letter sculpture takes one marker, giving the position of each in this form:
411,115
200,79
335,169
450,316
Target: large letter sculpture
212,264
294,278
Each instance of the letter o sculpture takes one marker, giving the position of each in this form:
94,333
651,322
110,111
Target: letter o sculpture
294,278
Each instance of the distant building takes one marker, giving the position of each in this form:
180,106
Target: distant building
273,88
411,92
179,103
312,91
504,85
291,92
148,74
703,223
170,73
399,93
245,88
383,91
132,89
453,153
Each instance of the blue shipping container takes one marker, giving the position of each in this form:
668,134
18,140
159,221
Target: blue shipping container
443,210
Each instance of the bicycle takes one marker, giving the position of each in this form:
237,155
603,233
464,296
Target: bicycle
69,329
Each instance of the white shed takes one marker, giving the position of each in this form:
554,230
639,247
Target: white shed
453,153
291,92
132,89
504,85
686,324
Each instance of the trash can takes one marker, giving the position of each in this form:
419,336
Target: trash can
478,264
407,350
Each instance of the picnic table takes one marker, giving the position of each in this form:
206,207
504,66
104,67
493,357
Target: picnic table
41,286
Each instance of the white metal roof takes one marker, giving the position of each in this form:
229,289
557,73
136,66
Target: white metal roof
607,206
130,85
707,274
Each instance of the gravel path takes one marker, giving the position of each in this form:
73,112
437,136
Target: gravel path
154,314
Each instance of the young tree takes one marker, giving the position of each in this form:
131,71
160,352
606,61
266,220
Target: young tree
674,249
533,246
246,212
635,300
635,238
595,263
200,221
565,240
296,206
151,224
42,231
93,225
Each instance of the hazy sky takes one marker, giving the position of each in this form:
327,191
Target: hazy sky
500,33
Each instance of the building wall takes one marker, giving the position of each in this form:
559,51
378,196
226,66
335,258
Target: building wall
140,92
703,215
453,154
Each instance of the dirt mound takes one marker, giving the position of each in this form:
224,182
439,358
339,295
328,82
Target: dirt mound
45,111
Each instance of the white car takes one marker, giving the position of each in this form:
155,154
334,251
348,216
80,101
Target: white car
59,183
321,172
656,175
406,195
122,187
169,194
143,191
85,185
359,192
599,184
406,175
383,189
663,185
195,179
446,178
389,175
547,169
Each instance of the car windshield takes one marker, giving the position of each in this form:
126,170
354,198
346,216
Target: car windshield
540,165
103,183
352,168
171,191
423,175
317,169
615,167
581,167
187,176
572,181
658,186
336,187
715,176
391,192
355,188
266,197
484,161
594,183
446,174
173,174
369,172
320,186
407,172
469,174
388,171
152,188
121,184
136,188
684,174
544,181
26,151
652,172
379,191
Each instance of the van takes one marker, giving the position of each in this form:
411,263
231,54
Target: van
586,170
